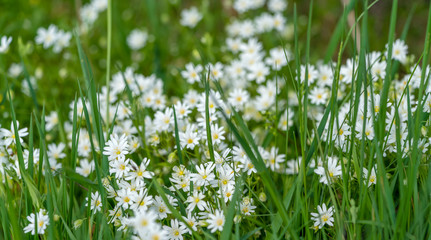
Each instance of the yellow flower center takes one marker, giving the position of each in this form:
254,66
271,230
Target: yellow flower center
325,218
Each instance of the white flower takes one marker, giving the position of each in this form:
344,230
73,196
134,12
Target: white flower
85,168
47,37
138,173
399,51
142,200
160,207
15,70
192,73
4,44
137,39
120,167
216,221
323,216
99,5
196,200
369,178
42,222
116,147
191,220
190,17
62,41
176,230
327,173
10,136
164,120
318,96
143,222
347,71
238,97
125,198
56,151
274,159
325,76
88,14
247,208
278,58
182,109
217,134
189,138
51,121
311,74
277,5
205,175
96,202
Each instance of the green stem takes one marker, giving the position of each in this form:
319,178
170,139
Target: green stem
108,58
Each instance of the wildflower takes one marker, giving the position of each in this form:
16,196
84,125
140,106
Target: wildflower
278,58
56,151
15,70
204,175
62,40
120,167
274,159
277,5
96,202
312,74
4,44
216,221
163,120
142,200
347,71
247,208
41,224
323,216
370,178
334,170
189,138
85,167
190,17
175,231
125,198
192,73
196,200
10,136
138,173
51,121
191,221
137,39
160,208
399,51
47,37
217,134
182,109
318,96
116,147
238,97
143,222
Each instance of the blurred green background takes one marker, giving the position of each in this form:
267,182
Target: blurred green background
170,46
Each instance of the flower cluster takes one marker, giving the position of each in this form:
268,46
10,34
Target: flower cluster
170,167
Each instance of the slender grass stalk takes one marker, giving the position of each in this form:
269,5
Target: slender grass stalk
108,56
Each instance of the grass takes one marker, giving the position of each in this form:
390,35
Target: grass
397,206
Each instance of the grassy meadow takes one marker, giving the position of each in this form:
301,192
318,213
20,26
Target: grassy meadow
233,119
